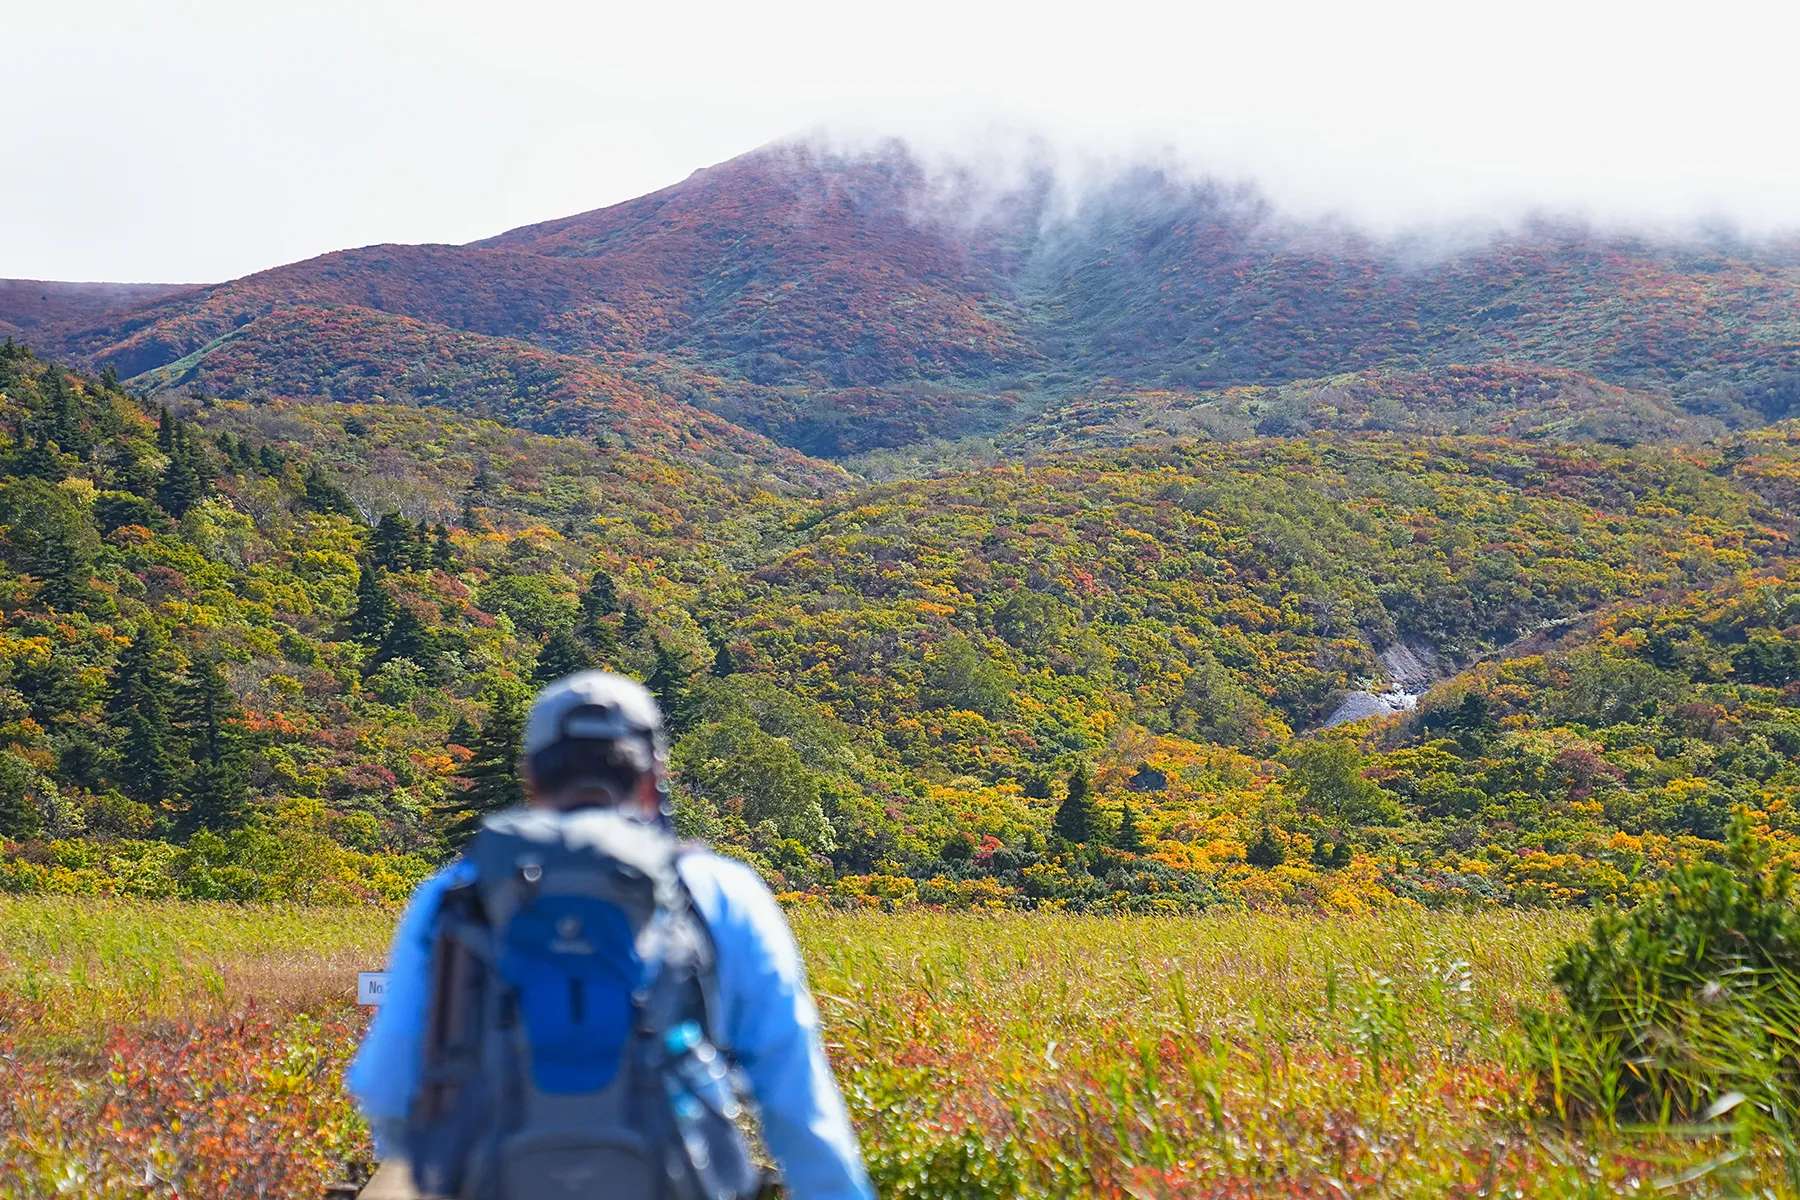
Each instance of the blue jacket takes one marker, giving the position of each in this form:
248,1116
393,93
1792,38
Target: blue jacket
769,1025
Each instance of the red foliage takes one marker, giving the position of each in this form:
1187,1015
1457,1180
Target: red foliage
251,1107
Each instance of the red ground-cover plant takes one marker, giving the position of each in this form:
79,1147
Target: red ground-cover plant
251,1106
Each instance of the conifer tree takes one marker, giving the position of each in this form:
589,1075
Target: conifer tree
443,554
324,496
1075,817
462,732
62,423
633,622
142,702
40,459
601,596
19,816
70,570
493,772
214,790
724,662
562,654
391,545
50,538
375,608
1265,851
1129,838
406,637
671,682
605,642
600,600
181,486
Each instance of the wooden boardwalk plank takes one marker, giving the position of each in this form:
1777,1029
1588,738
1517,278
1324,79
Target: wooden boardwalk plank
392,1181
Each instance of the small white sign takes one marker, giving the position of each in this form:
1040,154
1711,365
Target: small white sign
371,987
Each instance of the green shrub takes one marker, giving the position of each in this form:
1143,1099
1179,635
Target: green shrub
1686,1007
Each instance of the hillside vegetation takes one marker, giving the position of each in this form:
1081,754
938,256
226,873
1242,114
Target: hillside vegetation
279,649
838,304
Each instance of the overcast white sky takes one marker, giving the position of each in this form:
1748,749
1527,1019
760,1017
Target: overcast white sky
193,140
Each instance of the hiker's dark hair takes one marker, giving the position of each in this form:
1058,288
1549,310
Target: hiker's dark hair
585,764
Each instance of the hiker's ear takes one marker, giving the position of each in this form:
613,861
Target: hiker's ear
649,797
528,782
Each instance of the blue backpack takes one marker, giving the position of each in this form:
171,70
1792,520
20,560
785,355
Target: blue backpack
570,1047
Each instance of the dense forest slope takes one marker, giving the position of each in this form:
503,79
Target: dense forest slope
839,304
985,549
30,305
267,647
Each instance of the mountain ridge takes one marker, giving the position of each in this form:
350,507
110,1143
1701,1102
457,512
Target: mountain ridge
837,303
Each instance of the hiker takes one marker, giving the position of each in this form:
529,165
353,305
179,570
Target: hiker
586,1073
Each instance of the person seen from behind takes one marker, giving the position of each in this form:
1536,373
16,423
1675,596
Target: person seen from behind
572,1006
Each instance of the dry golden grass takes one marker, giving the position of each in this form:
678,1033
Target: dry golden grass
88,964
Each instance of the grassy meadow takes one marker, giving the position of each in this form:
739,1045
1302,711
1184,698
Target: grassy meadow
196,1050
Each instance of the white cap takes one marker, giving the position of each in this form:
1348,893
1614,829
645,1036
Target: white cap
592,704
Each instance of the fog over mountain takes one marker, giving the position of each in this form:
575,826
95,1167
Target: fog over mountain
205,140
840,298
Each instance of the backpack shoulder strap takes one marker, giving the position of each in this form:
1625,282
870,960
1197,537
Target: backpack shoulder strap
690,976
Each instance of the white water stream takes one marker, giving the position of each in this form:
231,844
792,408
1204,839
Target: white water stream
1410,672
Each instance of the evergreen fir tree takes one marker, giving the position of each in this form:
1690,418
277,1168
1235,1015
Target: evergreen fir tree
142,702
443,554
131,470
1265,851
724,662
1129,838
375,608
605,641
62,421
165,430
493,772
633,622
671,682
19,815
391,544
51,538
41,461
324,496
215,787
601,597
462,732
181,486
562,654
149,765
70,572
142,680
1075,817
407,637
109,377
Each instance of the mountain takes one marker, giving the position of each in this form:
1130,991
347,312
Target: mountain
927,510
30,305
841,303
269,648
1534,403
345,353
